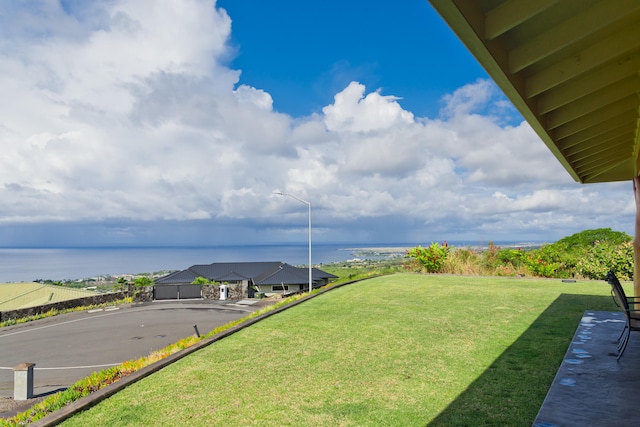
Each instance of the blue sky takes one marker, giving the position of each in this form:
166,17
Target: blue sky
132,125
306,53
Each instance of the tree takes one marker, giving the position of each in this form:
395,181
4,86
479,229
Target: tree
588,238
143,281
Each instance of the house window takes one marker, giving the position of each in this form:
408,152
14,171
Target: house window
280,288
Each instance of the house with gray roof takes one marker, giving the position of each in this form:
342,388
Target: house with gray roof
249,277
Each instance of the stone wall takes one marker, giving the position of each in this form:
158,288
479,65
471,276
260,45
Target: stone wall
63,305
141,293
210,292
236,291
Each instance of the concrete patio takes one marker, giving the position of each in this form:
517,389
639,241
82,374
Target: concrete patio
592,387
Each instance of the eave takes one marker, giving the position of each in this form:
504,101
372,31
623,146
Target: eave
572,69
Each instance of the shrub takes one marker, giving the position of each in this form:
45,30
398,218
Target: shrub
431,258
513,257
143,281
588,238
545,261
578,255
200,281
605,256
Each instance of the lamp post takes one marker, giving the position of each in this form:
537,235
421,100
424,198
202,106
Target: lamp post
309,206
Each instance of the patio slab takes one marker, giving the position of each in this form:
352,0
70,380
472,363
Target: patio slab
592,387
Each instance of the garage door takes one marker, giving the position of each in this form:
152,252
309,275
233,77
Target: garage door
177,291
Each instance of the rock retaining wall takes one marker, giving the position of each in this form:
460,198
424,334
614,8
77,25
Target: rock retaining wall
236,291
210,292
141,293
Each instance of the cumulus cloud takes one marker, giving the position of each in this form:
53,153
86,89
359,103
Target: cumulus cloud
352,111
121,112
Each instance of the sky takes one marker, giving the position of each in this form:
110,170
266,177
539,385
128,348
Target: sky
125,123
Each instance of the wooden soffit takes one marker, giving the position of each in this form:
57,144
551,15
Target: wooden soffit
572,69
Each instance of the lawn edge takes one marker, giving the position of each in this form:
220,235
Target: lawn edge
96,397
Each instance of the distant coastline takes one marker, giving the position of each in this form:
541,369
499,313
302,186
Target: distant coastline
29,264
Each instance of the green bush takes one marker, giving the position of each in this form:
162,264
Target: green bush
513,257
431,258
545,261
143,281
502,261
602,257
588,238
589,254
200,281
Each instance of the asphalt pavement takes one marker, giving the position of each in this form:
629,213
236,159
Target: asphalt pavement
69,347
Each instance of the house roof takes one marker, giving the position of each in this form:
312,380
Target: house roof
262,273
320,274
285,274
183,276
571,67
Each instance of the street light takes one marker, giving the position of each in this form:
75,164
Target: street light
309,206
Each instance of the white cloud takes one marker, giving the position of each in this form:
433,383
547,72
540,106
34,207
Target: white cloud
125,112
353,111
467,99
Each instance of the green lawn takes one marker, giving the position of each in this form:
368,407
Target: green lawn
400,350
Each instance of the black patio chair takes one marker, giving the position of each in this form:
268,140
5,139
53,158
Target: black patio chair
628,306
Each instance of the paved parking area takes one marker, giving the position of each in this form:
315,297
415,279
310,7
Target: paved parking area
69,347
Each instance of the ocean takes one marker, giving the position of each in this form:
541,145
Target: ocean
26,265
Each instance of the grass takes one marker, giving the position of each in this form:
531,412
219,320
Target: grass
395,350
357,270
14,296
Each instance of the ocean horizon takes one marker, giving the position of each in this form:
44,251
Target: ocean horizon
71,263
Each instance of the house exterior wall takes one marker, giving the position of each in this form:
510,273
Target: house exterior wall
269,289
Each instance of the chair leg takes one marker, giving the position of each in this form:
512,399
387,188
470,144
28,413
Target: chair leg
623,344
623,340
624,335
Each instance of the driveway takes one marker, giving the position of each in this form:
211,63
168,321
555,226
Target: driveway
69,347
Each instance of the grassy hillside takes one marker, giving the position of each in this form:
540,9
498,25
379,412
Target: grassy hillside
22,295
403,349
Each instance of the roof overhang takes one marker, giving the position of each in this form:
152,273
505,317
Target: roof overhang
572,69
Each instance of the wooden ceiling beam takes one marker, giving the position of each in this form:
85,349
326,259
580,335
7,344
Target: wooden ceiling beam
619,44
601,162
627,105
512,13
618,146
605,145
595,160
589,83
608,143
612,172
623,121
585,23
596,101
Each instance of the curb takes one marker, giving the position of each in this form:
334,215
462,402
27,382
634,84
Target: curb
96,397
